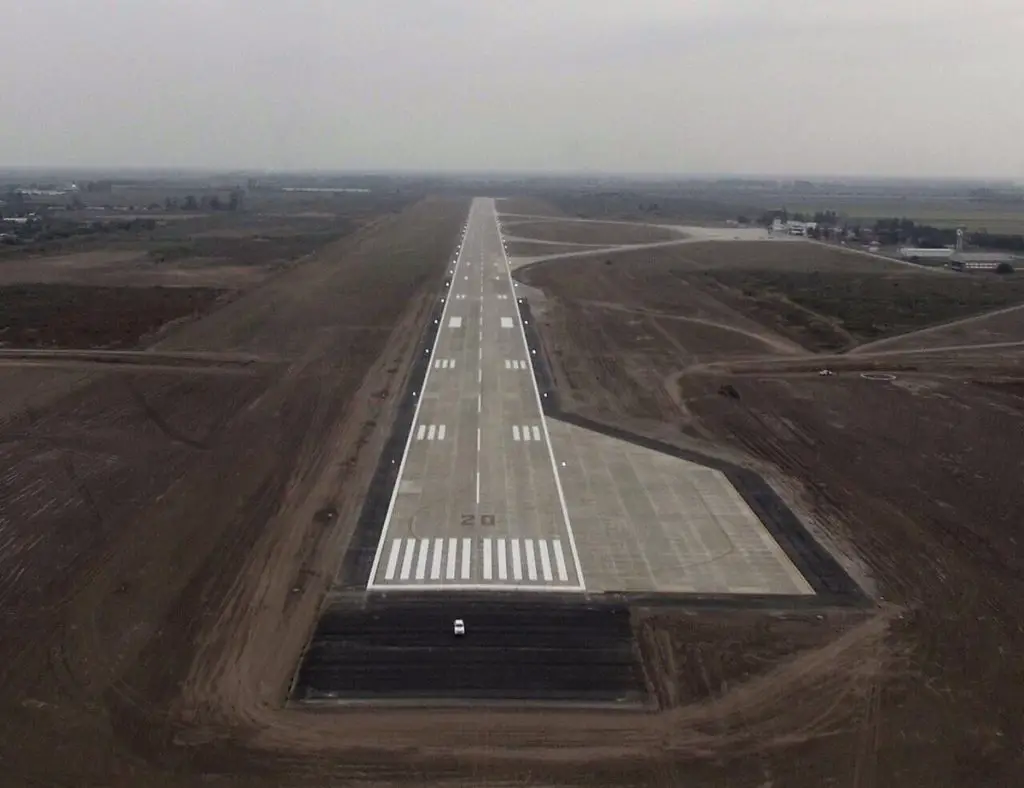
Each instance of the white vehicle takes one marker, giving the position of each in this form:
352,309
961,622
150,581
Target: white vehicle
459,627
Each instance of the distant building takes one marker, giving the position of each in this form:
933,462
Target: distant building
802,229
981,261
914,253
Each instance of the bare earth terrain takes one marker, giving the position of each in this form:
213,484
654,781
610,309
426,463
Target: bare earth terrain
914,478
171,519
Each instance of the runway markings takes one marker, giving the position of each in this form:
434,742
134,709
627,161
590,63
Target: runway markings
445,363
527,432
460,297
517,561
524,561
431,432
506,322
455,322
514,364
502,297
531,562
450,568
435,568
467,555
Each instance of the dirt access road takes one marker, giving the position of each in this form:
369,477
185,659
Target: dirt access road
913,482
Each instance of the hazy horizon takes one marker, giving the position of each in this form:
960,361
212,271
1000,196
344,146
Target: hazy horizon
649,88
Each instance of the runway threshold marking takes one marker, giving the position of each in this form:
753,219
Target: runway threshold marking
426,557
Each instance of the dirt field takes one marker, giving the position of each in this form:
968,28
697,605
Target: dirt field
914,481
605,233
78,316
166,538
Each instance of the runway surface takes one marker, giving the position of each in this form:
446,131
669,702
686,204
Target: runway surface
478,503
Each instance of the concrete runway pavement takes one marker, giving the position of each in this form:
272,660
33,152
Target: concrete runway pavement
478,503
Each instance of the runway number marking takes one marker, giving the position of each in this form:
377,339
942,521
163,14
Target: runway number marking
470,519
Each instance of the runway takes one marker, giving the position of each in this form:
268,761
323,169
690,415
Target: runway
478,503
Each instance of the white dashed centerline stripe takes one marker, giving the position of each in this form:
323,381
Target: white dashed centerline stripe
396,551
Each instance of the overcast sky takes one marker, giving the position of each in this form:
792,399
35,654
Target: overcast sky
872,87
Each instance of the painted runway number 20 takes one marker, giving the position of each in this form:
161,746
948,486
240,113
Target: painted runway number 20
471,519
